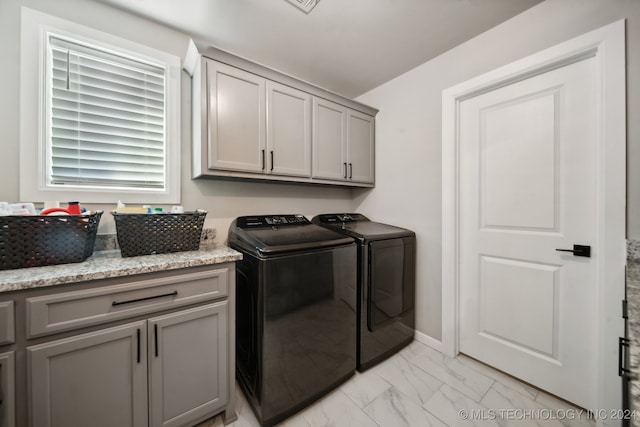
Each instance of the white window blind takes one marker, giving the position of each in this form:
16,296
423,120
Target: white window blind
106,117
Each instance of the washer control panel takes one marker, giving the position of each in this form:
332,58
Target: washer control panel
340,218
271,220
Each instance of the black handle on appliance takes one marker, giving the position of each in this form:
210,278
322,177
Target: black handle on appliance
578,250
345,170
170,294
155,337
262,159
138,343
350,170
271,160
623,343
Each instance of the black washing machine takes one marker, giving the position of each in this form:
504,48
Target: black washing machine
295,312
386,284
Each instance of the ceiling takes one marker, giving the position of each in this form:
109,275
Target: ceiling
346,46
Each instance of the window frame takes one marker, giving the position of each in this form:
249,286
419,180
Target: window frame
33,184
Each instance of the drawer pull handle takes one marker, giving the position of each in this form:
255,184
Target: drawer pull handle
170,294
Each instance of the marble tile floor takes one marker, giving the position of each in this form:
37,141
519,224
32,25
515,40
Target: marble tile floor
421,387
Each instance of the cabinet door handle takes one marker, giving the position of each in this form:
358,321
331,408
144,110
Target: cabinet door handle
350,170
345,170
623,344
170,294
138,344
271,160
1,396
263,159
155,337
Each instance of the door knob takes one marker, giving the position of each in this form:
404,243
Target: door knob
578,250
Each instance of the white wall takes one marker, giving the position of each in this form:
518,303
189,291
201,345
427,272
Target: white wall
408,190
225,200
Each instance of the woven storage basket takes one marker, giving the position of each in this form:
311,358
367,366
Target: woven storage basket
33,241
149,234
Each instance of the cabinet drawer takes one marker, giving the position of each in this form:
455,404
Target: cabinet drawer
72,310
6,323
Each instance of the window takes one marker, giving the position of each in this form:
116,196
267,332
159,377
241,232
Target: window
106,119
109,120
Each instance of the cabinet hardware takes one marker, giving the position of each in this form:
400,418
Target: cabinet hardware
345,170
578,250
271,160
623,343
263,160
625,311
350,170
170,294
155,337
138,344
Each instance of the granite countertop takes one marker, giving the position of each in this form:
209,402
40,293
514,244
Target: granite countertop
633,309
109,263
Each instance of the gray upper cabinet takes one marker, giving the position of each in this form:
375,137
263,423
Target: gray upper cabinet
360,147
252,122
329,140
343,143
236,119
255,125
288,131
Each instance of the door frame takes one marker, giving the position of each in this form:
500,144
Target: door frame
607,46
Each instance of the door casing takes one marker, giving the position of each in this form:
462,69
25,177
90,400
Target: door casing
607,45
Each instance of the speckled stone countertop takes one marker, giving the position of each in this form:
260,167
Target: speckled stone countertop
633,309
108,264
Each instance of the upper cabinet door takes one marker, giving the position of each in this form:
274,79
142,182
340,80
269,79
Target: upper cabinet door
360,147
329,140
237,117
288,131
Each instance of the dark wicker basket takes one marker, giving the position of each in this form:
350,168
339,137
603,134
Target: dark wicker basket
33,241
150,234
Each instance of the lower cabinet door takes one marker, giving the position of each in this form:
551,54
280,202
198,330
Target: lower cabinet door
97,379
188,378
7,390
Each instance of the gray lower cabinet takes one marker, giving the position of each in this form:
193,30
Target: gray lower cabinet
154,349
185,386
7,390
97,379
7,365
101,378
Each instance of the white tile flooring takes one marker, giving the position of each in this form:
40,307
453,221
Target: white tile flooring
421,387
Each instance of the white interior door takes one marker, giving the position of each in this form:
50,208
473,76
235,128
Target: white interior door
527,188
